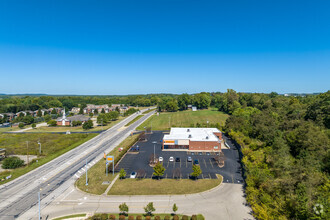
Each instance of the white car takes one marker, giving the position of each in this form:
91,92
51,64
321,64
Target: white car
133,175
161,159
171,159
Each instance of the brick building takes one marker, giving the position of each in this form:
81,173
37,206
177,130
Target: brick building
193,139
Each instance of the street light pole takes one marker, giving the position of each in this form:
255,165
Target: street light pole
27,152
39,147
86,174
39,205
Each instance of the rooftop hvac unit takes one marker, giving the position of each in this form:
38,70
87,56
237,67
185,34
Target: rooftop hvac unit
189,136
188,130
207,137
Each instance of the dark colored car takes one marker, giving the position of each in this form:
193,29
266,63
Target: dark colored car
177,159
196,162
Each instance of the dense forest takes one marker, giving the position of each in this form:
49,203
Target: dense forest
284,142
286,157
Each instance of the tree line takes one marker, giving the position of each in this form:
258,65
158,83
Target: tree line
286,154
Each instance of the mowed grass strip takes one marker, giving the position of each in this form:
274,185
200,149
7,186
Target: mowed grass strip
53,145
70,216
188,118
97,174
134,120
162,187
74,129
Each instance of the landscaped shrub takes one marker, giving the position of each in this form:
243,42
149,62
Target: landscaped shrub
104,216
130,217
167,217
12,163
122,217
112,217
148,217
185,217
176,217
194,217
139,217
157,218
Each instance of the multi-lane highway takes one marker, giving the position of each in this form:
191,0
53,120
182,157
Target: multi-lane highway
53,178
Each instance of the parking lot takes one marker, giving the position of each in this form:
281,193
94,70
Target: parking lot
134,162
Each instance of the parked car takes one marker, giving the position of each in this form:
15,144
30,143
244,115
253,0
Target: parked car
171,159
189,159
196,162
200,153
133,175
161,159
177,159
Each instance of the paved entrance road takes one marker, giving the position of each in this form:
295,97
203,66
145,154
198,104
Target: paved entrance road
224,202
20,195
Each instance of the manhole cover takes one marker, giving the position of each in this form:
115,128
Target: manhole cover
106,183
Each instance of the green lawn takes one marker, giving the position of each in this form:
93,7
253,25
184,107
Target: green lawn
96,174
53,145
161,215
188,118
75,129
70,216
134,120
162,187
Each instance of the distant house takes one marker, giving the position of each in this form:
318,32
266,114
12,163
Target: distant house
75,110
58,110
194,108
91,108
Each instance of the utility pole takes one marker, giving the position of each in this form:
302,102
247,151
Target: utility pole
39,205
86,174
27,152
39,147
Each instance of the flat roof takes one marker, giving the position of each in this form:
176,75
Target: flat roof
193,134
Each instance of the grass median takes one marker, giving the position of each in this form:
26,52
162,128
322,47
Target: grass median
134,120
97,174
162,187
52,145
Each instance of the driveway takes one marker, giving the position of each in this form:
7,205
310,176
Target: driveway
223,202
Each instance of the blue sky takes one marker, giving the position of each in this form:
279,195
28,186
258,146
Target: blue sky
164,46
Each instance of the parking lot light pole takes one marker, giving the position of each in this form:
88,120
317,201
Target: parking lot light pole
154,142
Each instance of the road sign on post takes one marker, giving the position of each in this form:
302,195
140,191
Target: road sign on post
110,159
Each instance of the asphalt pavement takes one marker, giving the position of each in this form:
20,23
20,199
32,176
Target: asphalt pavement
21,194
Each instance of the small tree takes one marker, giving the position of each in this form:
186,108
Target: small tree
39,113
12,163
196,171
34,125
159,170
174,208
47,117
21,125
123,208
103,111
95,112
88,125
122,174
52,123
91,114
149,208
